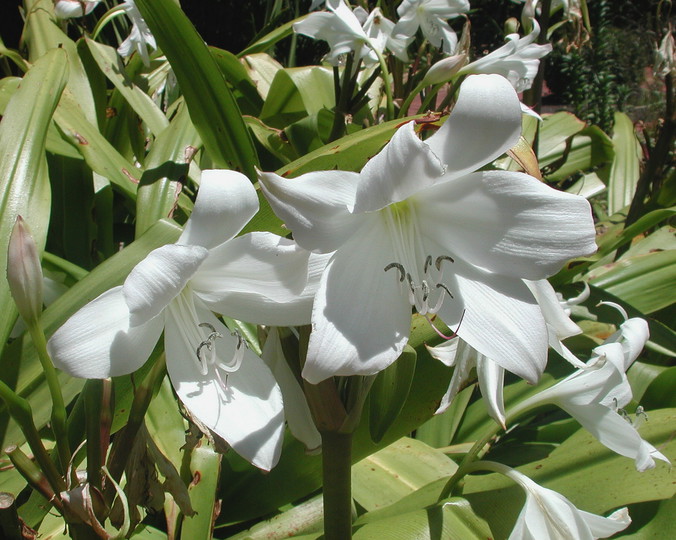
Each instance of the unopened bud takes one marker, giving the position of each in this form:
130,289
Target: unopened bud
444,70
511,26
24,272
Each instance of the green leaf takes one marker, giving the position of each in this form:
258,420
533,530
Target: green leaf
440,430
165,172
592,477
625,168
389,393
236,75
111,65
661,393
660,526
24,184
645,281
396,471
205,466
213,109
269,40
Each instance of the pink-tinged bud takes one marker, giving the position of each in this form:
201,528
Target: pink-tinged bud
444,70
24,272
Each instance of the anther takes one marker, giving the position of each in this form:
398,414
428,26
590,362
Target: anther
442,286
440,258
428,263
208,343
398,266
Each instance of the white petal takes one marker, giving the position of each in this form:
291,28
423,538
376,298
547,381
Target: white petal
484,124
604,527
634,334
446,352
403,167
551,308
360,320
226,201
508,223
157,279
249,413
464,360
296,410
259,278
615,433
491,382
315,206
98,342
501,319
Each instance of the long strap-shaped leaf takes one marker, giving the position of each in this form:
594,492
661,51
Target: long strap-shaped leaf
24,182
212,107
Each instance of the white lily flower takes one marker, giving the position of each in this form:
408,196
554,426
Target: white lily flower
517,60
342,30
257,277
67,9
431,16
592,395
140,37
548,514
380,31
417,227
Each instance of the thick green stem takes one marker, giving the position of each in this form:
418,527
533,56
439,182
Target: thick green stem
336,472
59,416
34,476
409,99
20,410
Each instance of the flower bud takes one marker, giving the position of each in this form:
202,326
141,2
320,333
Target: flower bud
24,272
511,26
445,69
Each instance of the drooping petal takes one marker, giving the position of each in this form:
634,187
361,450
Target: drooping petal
247,409
551,308
360,320
491,382
485,123
508,223
605,527
315,206
258,277
159,278
296,410
501,319
464,359
225,203
633,335
403,167
616,433
98,342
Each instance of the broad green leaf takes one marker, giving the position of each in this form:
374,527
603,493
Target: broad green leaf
165,423
588,186
236,75
625,168
43,33
587,149
647,282
311,132
29,381
296,93
616,235
95,149
555,130
640,376
662,239
166,169
262,69
592,477
24,184
273,140
440,430
213,109
660,526
112,67
269,40
396,471
204,466
661,393
389,393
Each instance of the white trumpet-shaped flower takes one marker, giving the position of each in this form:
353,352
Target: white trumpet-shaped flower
140,37
548,514
517,60
418,227
431,16
258,277
592,395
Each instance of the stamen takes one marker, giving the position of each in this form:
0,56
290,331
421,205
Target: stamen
442,286
209,344
440,258
398,266
428,263
440,333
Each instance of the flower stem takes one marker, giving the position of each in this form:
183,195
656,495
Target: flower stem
336,472
20,410
59,416
387,83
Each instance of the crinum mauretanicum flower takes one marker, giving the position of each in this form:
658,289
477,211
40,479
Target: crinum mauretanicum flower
418,227
257,277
